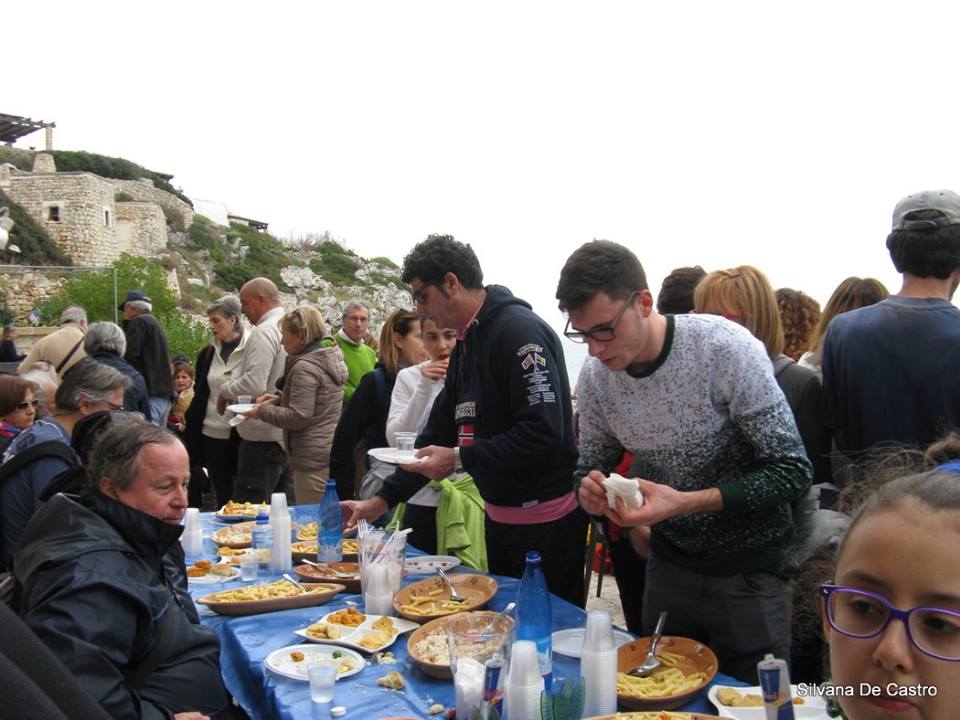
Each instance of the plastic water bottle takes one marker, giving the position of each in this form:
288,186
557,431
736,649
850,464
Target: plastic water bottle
329,521
263,538
534,619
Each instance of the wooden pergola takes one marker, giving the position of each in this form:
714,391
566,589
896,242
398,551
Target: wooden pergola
14,127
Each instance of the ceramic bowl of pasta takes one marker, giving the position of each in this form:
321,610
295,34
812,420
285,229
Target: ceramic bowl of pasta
659,715
429,648
688,667
268,597
307,550
236,537
430,599
308,531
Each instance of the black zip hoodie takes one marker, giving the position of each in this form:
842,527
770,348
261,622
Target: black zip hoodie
506,403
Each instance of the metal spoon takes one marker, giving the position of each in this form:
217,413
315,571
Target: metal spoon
290,579
454,595
496,618
651,662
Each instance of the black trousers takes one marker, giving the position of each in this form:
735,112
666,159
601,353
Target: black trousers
220,457
561,545
630,571
423,520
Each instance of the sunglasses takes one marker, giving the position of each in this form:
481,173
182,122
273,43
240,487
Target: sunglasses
27,403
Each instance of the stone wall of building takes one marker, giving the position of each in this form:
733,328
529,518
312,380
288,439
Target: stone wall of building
76,209
25,290
141,228
144,190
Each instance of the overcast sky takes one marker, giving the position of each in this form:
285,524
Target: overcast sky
775,134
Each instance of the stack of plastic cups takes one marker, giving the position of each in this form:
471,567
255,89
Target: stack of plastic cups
377,596
192,538
280,551
395,564
524,684
598,665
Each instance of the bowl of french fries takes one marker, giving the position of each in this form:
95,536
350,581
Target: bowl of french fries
430,599
268,597
688,667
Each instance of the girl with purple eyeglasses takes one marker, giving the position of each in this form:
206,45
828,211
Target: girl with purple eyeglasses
891,615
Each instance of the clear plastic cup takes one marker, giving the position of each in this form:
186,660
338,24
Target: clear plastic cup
405,441
244,400
323,677
249,566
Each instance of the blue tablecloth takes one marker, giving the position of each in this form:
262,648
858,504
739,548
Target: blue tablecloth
246,641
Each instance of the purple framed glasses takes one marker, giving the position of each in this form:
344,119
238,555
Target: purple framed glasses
864,614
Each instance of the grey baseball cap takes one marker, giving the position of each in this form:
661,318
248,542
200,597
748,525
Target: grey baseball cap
943,201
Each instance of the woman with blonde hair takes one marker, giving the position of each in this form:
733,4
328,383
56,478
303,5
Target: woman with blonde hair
744,295
850,294
309,402
365,417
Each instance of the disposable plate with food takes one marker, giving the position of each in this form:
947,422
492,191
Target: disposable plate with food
268,597
688,667
570,642
732,701
430,599
355,629
235,536
428,564
235,512
392,456
240,407
293,661
218,573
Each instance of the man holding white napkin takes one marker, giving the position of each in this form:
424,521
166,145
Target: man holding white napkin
716,451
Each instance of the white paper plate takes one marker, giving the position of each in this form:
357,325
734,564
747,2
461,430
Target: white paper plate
813,708
428,564
214,579
238,408
352,636
570,642
280,662
395,457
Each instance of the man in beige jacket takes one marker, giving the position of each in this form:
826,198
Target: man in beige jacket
63,348
261,461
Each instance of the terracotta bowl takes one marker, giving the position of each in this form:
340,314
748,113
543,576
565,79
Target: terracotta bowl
697,657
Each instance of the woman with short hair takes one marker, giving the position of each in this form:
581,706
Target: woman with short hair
18,407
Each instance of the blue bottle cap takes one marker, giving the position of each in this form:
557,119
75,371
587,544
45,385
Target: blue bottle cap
533,556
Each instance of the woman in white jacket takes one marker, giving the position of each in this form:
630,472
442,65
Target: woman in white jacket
413,394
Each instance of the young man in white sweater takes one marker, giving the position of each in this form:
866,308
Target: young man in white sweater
716,451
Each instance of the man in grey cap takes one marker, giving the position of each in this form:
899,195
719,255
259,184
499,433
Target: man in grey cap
890,370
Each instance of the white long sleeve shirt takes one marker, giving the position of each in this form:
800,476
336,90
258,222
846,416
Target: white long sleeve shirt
410,405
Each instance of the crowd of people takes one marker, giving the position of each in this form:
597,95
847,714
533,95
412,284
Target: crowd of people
789,458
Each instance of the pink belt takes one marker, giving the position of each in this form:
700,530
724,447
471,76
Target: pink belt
533,512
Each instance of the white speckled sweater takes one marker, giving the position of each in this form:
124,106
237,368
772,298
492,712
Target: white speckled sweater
707,413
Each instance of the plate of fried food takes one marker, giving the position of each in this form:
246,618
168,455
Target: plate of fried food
236,536
268,597
430,599
350,627
235,512
688,667
746,703
207,572
293,661
307,550
308,531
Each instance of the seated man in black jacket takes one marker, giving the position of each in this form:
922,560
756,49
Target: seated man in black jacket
503,416
104,582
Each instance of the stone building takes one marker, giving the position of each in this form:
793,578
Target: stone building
80,212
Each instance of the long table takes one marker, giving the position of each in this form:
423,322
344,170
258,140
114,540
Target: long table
246,641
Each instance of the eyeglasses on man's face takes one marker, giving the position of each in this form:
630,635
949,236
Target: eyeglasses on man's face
863,614
600,333
420,296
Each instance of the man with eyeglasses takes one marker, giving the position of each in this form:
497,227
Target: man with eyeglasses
504,416
715,447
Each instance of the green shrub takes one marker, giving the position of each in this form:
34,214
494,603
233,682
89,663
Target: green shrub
111,167
22,159
36,246
94,293
266,257
386,262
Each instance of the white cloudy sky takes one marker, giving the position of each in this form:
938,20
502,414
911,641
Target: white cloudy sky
707,133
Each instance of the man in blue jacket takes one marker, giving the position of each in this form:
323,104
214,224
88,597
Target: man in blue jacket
504,416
